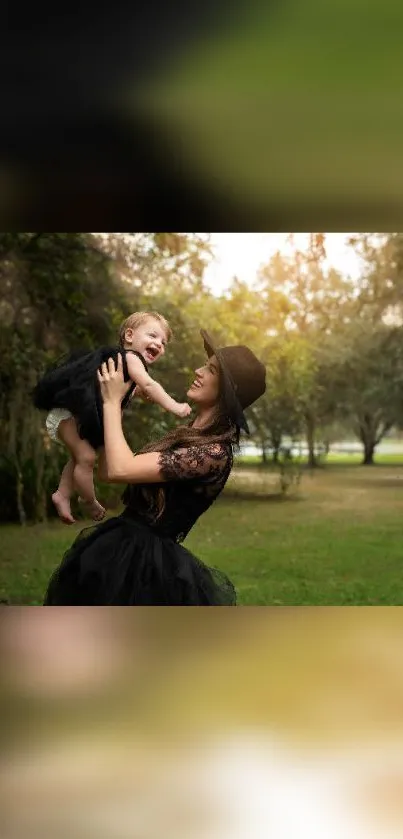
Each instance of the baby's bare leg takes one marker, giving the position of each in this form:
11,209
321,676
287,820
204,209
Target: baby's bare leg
83,456
61,498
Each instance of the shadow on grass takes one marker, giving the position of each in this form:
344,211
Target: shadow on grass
383,483
323,466
254,495
384,464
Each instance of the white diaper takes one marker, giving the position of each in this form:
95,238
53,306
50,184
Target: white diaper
53,421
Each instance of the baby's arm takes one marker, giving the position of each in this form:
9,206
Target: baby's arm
152,390
138,393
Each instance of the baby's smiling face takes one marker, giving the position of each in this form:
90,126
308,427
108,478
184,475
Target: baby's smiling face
149,339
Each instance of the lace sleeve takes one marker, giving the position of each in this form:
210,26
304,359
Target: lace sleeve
208,461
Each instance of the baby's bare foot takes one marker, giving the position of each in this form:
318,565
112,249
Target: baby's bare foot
95,510
63,508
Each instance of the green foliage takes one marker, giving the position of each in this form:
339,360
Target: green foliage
63,291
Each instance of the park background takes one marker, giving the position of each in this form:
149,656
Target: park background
312,511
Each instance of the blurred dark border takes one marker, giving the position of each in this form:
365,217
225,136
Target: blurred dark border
71,159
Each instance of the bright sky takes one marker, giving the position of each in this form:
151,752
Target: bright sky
241,254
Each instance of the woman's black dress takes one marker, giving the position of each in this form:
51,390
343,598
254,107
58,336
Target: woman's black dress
129,561
72,383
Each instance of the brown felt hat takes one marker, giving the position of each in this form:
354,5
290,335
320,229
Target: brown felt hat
243,377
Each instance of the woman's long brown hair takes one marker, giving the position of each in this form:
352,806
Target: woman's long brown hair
221,429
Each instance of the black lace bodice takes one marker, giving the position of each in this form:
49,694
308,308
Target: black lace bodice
194,477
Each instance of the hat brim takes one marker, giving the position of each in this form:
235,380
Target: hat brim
232,402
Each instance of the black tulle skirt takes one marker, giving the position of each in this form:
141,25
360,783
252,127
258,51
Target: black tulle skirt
124,562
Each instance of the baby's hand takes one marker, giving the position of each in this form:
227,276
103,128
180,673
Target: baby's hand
182,410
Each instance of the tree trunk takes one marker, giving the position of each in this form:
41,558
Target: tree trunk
371,431
19,495
13,440
368,439
369,450
40,494
276,446
310,439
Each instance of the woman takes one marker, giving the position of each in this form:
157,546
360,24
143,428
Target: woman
136,558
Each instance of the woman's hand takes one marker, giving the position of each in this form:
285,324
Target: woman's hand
112,384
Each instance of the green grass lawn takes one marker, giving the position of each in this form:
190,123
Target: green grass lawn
339,541
341,458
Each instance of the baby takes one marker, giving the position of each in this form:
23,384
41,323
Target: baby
69,391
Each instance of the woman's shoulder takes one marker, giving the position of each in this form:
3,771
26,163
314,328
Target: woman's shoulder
199,461
216,456
217,450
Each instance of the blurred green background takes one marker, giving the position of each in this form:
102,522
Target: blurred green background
294,112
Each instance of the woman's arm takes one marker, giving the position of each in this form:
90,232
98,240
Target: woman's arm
124,467
117,463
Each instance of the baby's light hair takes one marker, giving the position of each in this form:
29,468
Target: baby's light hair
138,318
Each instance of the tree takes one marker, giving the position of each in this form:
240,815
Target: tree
280,412
380,285
304,299
368,371
57,291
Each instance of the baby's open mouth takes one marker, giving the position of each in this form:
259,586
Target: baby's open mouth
152,352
